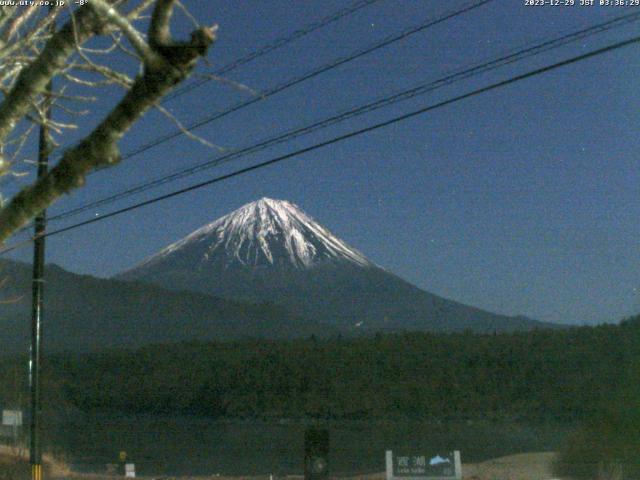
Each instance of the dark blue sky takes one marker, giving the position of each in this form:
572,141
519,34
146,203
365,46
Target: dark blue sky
523,200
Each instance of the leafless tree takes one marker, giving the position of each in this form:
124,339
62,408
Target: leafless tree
79,53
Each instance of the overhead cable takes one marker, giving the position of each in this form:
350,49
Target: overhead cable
377,126
369,107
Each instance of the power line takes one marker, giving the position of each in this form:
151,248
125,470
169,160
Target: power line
380,103
397,119
309,75
280,42
297,80
381,44
275,45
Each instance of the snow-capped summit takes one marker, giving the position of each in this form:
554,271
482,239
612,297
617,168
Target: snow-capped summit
270,251
266,232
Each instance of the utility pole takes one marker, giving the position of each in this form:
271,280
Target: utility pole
37,304
37,299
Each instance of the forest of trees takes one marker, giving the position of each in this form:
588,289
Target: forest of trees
558,375
582,378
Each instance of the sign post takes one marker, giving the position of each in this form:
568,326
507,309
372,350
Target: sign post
422,466
12,419
130,470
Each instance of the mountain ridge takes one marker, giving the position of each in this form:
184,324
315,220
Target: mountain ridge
271,251
85,313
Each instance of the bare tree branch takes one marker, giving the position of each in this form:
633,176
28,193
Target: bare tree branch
139,10
34,77
169,64
136,39
17,22
187,132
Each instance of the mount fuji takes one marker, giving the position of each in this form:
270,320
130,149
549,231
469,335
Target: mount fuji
271,234
270,251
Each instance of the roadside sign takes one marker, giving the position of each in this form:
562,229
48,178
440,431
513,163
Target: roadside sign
130,470
424,466
12,418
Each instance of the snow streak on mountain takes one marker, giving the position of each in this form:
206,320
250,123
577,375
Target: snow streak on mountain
271,252
263,233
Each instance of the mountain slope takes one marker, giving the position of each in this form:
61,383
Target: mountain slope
271,251
84,313
267,233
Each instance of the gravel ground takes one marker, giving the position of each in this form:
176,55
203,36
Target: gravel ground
525,466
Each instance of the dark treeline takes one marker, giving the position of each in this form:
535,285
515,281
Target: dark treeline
546,375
